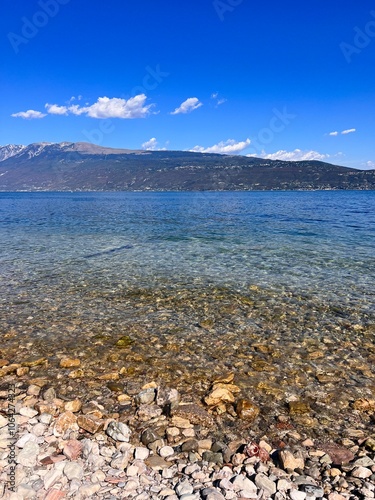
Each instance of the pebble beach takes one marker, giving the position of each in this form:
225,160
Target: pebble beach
159,446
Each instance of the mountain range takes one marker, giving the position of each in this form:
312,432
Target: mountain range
80,166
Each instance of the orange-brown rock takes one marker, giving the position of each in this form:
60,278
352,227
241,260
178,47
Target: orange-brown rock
247,410
109,376
70,363
65,422
90,423
364,404
218,396
73,406
227,378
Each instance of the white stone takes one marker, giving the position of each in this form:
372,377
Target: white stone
132,471
184,488
51,478
361,472
131,485
118,431
141,453
39,430
25,439
97,476
166,451
73,470
45,418
29,454
264,483
88,490
26,411
297,495
283,485
26,491
212,494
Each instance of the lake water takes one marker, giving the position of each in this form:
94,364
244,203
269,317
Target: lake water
191,275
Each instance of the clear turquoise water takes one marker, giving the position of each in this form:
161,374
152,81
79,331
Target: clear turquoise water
275,286
319,243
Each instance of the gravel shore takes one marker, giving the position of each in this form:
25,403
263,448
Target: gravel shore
158,446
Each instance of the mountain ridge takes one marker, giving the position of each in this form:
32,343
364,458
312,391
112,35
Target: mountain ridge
81,166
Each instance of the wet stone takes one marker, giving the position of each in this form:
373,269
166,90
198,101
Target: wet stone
218,396
246,410
291,461
338,454
145,397
299,408
157,463
149,436
194,413
190,445
69,363
210,456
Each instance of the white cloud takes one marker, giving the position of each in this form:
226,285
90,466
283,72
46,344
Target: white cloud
228,147
296,155
74,109
29,115
370,164
344,132
54,109
187,106
115,108
135,107
152,145
219,100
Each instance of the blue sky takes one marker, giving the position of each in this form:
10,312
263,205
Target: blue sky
273,79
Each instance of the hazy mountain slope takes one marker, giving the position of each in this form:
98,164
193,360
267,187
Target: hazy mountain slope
83,166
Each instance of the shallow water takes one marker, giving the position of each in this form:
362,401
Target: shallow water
277,286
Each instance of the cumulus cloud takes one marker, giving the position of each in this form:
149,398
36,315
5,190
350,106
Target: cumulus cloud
187,106
343,132
152,145
296,155
31,114
370,164
55,109
228,147
104,107
115,107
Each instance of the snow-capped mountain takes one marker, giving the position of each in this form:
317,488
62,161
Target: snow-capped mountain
10,150
38,148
